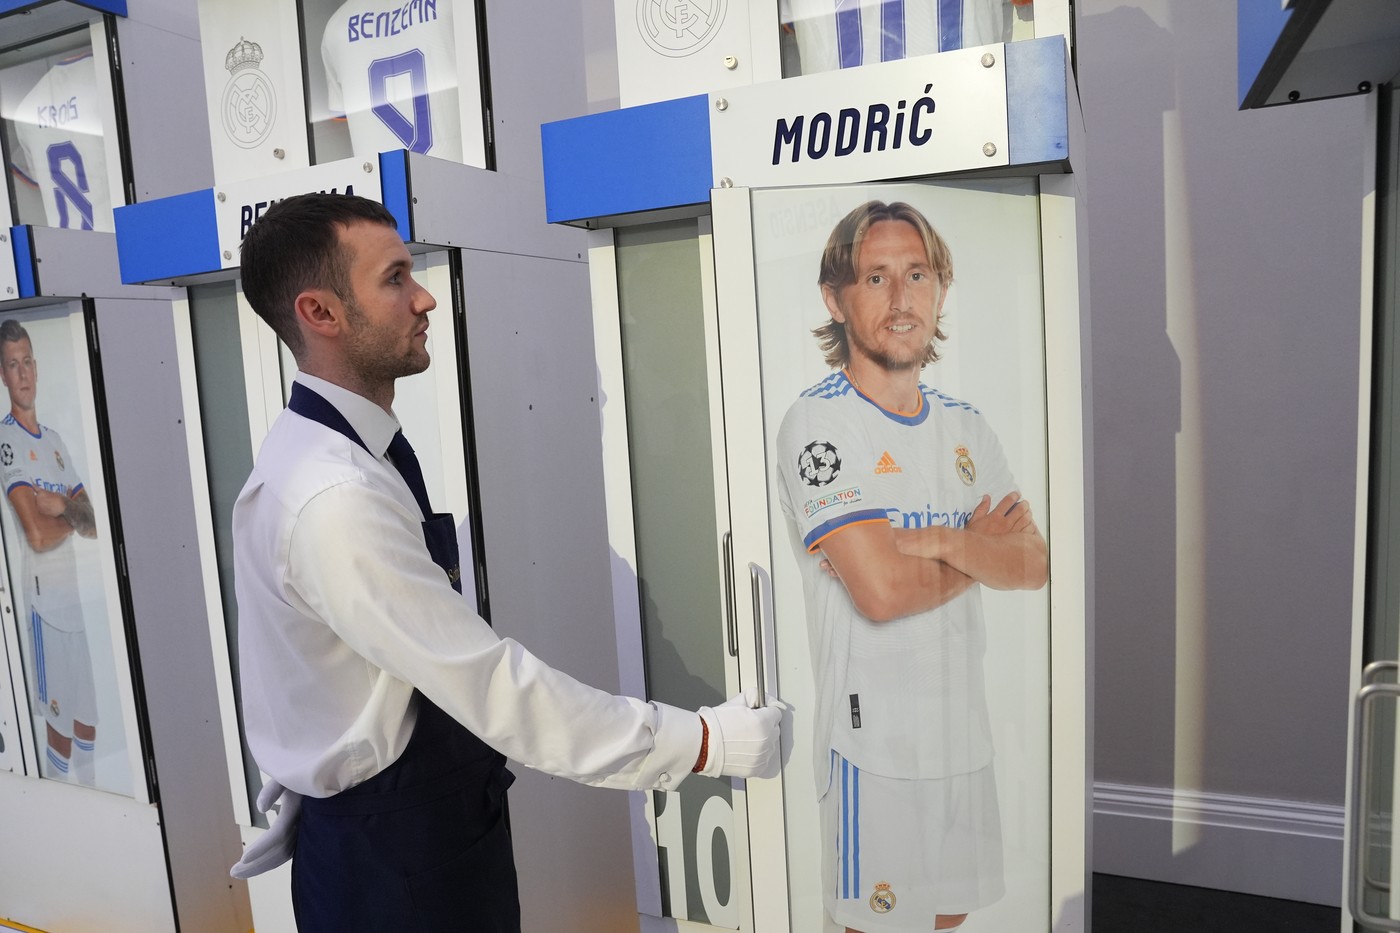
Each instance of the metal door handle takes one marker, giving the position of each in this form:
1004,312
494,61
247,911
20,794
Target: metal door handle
1363,711
1372,672
731,622
761,658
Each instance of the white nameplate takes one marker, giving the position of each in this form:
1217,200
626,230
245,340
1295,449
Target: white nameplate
920,116
238,206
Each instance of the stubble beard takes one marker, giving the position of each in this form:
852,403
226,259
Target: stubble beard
368,353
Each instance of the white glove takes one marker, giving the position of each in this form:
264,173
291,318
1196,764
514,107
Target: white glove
743,741
278,844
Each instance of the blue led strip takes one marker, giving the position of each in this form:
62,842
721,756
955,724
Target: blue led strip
168,237
393,182
624,161
26,272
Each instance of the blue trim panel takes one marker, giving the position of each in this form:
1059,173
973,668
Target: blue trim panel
106,6
168,237
636,159
1259,23
23,245
1037,102
393,181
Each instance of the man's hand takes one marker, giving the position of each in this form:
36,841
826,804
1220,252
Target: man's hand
1011,516
743,742
50,503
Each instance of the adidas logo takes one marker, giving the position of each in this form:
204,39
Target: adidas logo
887,465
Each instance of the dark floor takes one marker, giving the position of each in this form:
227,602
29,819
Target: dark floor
1128,905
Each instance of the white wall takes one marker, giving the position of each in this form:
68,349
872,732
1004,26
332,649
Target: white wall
1225,286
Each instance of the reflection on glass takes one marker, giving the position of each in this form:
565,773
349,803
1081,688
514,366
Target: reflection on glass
673,481
228,454
51,109
382,75
824,35
912,411
54,518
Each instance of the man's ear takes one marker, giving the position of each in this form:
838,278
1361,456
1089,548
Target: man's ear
833,304
319,311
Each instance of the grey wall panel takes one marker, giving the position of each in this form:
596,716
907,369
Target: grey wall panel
1225,281
165,105
142,388
455,205
534,383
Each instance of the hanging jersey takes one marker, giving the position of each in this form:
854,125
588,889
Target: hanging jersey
903,698
42,462
391,70
834,34
58,126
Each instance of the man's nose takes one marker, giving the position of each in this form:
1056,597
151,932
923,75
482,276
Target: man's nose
426,302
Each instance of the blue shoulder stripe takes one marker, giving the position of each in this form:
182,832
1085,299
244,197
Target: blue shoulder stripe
833,386
813,537
947,401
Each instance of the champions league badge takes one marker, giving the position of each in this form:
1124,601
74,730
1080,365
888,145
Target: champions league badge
882,901
7,454
249,105
966,469
677,28
819,463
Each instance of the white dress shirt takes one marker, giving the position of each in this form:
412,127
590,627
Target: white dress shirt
342,613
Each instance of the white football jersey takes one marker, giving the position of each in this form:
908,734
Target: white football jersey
834,34
43,462
59,128
905,698
391,69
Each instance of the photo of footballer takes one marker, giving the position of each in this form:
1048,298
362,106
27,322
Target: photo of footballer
52,530
903,510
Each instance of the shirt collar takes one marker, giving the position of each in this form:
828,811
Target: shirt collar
375,426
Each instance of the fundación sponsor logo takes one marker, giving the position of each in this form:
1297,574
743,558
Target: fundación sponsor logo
821,503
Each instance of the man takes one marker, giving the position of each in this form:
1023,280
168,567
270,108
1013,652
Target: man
889,488
50,506
370,687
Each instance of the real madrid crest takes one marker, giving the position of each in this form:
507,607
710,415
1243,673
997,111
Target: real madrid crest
58,458
882,901
677,28
966,469
249,104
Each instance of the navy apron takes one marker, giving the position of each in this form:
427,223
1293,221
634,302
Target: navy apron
423,846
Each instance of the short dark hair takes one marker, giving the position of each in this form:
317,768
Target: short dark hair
295,246
12,331
838,268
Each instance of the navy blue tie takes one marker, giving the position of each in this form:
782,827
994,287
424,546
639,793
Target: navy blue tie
406,462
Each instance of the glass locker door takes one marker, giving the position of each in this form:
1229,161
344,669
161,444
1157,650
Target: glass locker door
958,698
678,597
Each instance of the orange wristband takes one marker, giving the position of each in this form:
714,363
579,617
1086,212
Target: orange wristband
704,747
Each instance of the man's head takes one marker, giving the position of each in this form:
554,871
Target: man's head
18,371
879,295
297,245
